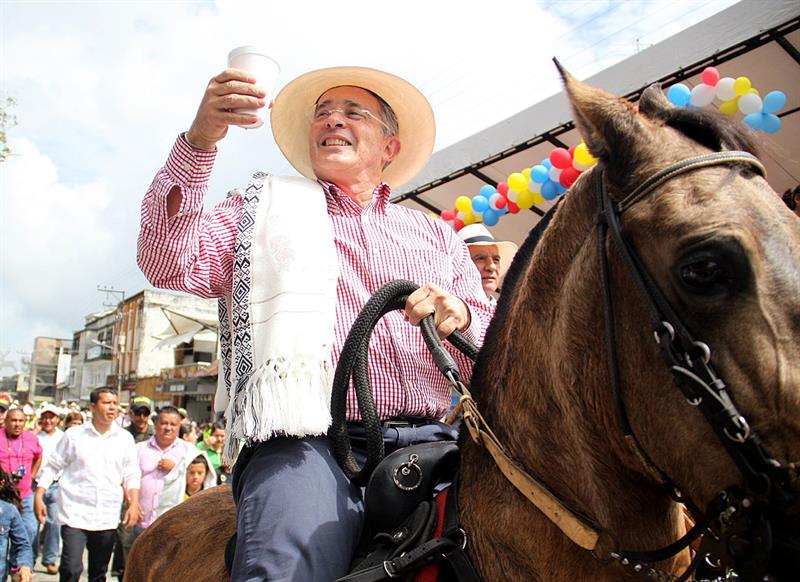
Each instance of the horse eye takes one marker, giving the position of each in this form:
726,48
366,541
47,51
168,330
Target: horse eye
703,274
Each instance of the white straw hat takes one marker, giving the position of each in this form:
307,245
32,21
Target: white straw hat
478,235
291,120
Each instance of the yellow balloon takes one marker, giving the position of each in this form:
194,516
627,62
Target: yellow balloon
470,219
754,90
525,199
464,204
518,182
730,107
538,198
742,85
583,156
527,173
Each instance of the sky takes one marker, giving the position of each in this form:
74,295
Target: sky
103,88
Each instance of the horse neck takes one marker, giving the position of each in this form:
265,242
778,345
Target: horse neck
545,390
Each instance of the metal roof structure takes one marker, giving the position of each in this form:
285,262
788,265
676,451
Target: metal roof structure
757,39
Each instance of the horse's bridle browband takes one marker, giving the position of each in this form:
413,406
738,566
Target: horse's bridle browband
689,360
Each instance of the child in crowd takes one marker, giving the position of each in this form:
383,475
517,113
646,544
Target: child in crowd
199,475
16,553
73,418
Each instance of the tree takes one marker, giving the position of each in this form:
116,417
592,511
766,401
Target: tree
7,121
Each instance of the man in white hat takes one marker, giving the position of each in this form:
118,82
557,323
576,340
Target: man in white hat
491,257
293,260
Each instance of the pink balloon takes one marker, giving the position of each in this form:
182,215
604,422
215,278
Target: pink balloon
448,214
560,158
710,76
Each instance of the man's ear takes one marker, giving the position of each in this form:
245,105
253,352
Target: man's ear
391,150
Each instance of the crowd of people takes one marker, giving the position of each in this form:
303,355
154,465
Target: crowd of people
94,478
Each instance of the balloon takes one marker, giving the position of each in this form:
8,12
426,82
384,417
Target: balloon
774,101
678,94
527,173
568,177
486,191
754,120
479,203
702,95
502,211
560,189
470,219
560,158
502,187
549,191
725,90
730,107
547,163
525,200
742,85
772,123
710,76
534,186
555,174
517,182
583,156
750,103
540,174
512,207
538,198
464,204
490,217
448,214
512,196
460,216
458,224
497,201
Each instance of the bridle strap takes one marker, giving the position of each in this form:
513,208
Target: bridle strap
688,165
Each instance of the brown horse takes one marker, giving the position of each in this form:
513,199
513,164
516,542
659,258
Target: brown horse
720,245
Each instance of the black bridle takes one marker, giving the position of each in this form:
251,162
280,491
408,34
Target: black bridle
737,514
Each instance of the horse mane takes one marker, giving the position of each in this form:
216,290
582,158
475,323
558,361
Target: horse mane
510,283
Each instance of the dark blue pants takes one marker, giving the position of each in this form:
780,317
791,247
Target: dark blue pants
100,545
299,518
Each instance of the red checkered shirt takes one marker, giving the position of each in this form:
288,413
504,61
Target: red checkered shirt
194,252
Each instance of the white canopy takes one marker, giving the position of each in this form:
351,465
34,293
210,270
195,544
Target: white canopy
184,326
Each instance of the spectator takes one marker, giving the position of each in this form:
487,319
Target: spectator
163,460
188,433
212,446
93,461
199,475
49,437
5,403
73,418
491,257
792,199
21,457
140,427
16,553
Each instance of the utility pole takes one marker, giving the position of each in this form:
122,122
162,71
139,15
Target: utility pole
118,345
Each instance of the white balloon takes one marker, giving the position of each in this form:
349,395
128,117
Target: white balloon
555,173
724,89
750,103
512,195
702,95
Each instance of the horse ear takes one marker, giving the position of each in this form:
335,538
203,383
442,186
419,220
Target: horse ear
608,124
654,104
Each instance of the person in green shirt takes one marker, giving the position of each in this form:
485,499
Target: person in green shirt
212,445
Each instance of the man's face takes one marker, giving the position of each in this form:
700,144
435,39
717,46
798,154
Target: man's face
167,426
349,143
487,259
15,422
49,422
139,418
104,411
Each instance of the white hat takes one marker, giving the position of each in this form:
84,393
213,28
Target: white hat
48,407
291,120
478,235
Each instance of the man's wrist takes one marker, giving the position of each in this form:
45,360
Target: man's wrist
198,144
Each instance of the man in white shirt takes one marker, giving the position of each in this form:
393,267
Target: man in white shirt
49,437
492,257
94,460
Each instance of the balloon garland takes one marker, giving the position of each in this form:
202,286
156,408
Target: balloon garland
556,173
737,96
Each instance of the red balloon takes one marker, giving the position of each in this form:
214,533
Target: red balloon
501,202
710,76
449,214
560,158
502,187
568,176
512,207
572,151
458,224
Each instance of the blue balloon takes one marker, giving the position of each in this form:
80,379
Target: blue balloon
490,217
547,164
754,120
679,94
479,203
560,189
773,101
540,174
503,210
771,123
487,191
549,190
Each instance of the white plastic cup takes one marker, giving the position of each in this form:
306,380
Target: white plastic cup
265,69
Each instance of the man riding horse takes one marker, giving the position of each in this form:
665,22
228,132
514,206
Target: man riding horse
293,260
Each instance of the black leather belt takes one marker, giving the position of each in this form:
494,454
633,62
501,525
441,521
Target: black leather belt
401,422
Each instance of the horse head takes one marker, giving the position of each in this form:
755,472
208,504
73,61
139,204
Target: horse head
716,246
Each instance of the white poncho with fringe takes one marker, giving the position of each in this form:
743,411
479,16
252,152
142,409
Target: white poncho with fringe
277,325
